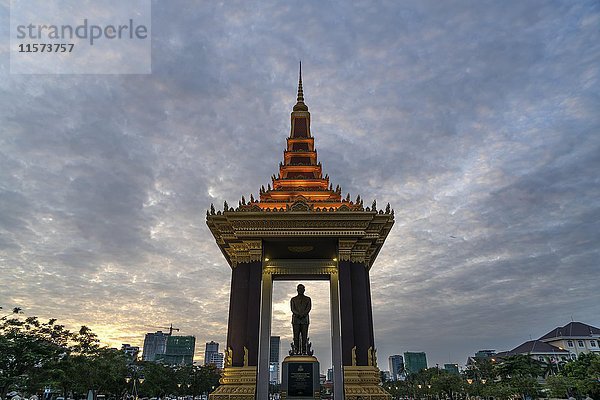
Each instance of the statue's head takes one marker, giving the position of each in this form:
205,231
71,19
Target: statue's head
301,289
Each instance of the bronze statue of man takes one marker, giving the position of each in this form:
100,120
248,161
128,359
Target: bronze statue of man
301,306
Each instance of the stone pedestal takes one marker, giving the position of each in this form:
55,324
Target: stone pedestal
300,378
237,383
363,383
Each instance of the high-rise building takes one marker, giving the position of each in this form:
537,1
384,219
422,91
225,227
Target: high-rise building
168,349
396,366
131,351
452,368
480,356
179,350
274,360
485,354
330,375
217,359
211,348
154,343
386,376
414,362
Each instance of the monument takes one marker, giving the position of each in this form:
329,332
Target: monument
300,377
300,228
300,306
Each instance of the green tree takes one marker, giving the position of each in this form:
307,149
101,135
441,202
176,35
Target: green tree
446,384
560,385
30,350
159,380
482,369
585,374
520,373
498,390
36,354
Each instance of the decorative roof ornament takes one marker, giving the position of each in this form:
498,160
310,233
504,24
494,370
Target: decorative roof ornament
300,174
300,106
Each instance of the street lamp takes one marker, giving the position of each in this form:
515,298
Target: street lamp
137,380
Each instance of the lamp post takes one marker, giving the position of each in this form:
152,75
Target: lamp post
137,380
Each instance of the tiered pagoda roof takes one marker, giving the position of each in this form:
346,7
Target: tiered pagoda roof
300,203
300,175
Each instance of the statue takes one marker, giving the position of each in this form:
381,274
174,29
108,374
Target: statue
301,306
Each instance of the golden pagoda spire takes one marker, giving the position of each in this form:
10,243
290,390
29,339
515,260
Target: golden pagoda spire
300,106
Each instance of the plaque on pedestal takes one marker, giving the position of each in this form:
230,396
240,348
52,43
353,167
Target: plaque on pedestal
300,378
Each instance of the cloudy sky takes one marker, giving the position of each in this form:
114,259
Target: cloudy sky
477,121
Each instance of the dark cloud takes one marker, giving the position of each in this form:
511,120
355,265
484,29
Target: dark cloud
477,122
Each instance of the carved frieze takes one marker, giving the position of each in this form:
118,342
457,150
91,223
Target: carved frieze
239,234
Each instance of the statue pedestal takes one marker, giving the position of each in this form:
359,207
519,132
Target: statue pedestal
363,383
300,378
237,383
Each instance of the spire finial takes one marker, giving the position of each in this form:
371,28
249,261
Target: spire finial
300,92
300,106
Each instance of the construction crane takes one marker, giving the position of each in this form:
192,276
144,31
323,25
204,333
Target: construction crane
171,329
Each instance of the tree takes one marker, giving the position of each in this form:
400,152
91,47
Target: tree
29,352
520,373
482,369
560,385
159,380
435,381
36,354
446,383
585,374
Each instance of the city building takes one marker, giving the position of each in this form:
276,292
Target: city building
210,349
576,337
485,353
217,359
452,368
179,350
538,350
132,352
274,360
154,343
480,356
560,345
330,375
386,376
396,366
165,348
414,362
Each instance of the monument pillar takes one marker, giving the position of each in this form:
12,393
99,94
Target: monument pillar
266,301
244,314
357,316
361,374
241,354
336,335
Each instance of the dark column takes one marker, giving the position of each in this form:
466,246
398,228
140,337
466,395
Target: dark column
360,306
346,315
253,324
370,310
244,313
238,313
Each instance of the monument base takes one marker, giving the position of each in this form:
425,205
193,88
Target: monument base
237,383
363,383
300,378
